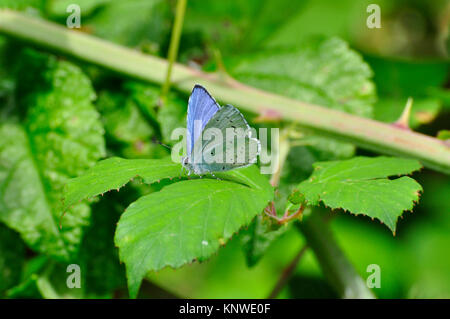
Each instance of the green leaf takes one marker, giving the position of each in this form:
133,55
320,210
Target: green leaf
171,116
115,172
217,209
61,137
23,5
27,288
145,96
59,8
186,221
398,78
122,119
235,26
423,110
135,21
320,71
296,197
51,282
258,237
12,258
319,18
130,120
360,185
444,135
102,272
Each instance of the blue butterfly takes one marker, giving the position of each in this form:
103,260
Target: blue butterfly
206,154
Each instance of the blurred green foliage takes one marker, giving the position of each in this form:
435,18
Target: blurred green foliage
57,116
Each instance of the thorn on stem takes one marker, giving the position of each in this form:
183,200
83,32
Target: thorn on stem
403,121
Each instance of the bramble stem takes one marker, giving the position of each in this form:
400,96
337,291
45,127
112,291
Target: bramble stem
174,44
335,266
365,133
287,273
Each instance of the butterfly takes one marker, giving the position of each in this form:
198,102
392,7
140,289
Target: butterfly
218,138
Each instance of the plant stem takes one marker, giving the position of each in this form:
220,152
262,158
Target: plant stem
372,135
283,151
174,44
334,264
287,273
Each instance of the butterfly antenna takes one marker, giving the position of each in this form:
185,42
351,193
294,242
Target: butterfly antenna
162,144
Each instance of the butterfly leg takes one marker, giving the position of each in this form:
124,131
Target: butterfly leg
182,171
212,174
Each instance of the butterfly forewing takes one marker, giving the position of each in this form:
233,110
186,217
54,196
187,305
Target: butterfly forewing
201,108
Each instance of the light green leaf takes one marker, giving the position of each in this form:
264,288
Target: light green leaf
61,137
360,185
187,221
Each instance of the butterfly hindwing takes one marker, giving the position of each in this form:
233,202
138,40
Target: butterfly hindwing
238,148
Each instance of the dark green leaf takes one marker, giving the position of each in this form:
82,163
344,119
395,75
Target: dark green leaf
12,258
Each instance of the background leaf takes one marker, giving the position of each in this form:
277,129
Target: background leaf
60,138
321,71
258,237
12,258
